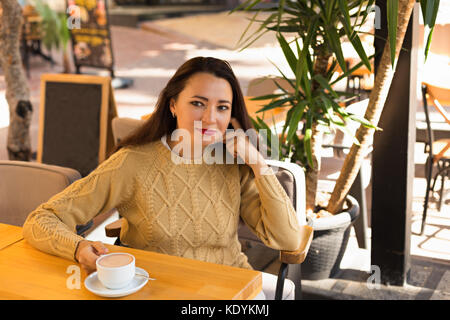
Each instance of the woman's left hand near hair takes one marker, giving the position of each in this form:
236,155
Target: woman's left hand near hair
243,148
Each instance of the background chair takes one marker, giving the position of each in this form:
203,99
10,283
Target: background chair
26,185
263,86
292,179
122,127
438,150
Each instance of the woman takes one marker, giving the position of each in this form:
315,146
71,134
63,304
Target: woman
172,202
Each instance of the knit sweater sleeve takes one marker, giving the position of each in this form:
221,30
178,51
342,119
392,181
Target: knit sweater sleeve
52,226
267,210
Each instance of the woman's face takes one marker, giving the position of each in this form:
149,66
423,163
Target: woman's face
203,108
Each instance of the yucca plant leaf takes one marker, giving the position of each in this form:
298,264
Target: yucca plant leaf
303,54
275,104
392,13
255,35
327,107
345,19
246,6
347,131
363,121
291,83
268,96
351,34
305,84
307,138
366,12
255,123
295,119
356,15
283,89
284,29
288,53
429,12
325,85
331,70
299,66
309,11
247,28
287,121
280,11
329,9
350,71
262,124
357,45
334,41
310,62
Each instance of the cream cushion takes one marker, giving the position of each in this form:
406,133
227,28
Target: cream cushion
26,185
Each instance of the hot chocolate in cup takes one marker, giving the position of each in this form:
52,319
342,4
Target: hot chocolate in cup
116,270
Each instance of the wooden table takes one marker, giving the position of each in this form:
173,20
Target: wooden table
27,273
9,234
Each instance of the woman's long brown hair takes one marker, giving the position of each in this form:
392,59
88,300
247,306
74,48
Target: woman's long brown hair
161,121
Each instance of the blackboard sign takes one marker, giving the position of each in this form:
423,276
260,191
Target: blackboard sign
75,121
91,38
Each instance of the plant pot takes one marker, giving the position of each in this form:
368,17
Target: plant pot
330,240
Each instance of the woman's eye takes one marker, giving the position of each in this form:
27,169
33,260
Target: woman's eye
223,108
197,103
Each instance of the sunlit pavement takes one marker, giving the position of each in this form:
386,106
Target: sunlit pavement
151,55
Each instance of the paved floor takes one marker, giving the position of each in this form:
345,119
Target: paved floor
151,55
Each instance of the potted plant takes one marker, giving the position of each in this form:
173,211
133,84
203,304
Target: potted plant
310,33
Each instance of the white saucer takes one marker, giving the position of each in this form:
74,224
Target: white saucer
96,287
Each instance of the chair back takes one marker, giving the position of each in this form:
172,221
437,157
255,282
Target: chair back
292,179
123,127
438,93
26,185
430,135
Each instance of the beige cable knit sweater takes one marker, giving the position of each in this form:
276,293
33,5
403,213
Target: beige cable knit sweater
188,210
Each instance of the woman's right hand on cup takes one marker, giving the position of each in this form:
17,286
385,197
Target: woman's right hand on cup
87,254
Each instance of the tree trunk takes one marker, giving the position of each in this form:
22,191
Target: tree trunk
377,99
17,92
312,174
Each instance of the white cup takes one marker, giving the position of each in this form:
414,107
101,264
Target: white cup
116,277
